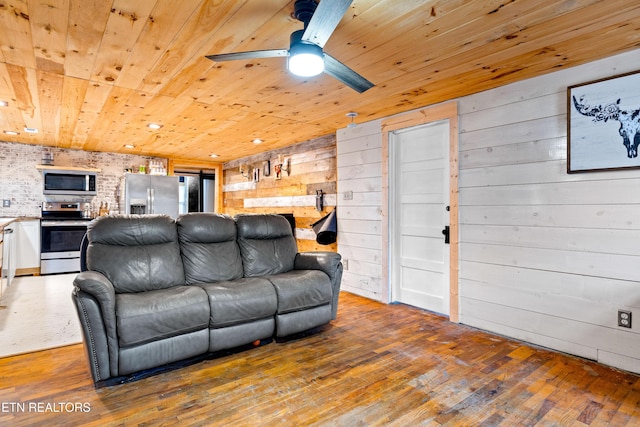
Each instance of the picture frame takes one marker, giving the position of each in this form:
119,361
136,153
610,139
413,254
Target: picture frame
603,124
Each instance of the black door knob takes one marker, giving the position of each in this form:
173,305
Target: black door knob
446,234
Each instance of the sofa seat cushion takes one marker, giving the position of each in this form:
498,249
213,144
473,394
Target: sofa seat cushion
154,315
301,289
240,301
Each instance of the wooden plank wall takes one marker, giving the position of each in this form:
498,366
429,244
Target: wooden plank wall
313,167
359,202
545,256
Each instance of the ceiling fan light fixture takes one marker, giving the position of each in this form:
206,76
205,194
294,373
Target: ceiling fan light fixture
306,59
305,56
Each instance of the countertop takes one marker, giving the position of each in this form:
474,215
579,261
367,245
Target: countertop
6,221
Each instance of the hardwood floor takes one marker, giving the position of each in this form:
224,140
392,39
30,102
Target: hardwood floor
375,365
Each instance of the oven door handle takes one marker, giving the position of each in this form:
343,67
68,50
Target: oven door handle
64,223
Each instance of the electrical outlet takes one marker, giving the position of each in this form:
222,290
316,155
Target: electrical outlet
345,264
6,203
624,318
347,195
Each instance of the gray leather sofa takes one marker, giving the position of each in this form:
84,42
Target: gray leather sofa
156,290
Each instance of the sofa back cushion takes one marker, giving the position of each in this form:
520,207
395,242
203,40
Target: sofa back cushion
266,244
209,249
136,253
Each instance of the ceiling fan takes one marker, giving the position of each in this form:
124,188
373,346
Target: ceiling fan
305,55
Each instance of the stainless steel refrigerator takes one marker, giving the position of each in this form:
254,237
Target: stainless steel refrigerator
151,194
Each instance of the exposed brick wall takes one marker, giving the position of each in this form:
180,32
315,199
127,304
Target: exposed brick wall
21,182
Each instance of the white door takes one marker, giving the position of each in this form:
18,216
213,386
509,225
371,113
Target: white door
419,171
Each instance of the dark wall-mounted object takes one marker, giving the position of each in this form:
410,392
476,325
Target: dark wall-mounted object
292,221
326,228
319,200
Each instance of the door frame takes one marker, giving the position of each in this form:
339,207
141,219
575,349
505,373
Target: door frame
202,176
174,164
446,111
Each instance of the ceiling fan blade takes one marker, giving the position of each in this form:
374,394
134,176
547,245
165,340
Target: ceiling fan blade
254,54
325,19
346,75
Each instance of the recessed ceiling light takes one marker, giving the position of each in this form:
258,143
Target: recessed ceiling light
213,155
129,146
11,132
4,103
154,126
257,141
31,130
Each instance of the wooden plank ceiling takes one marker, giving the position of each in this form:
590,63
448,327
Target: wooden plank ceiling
91,74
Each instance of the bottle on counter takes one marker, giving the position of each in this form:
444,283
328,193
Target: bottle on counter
104,209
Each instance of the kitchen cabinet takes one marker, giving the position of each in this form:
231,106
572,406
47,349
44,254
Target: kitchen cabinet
27,247
8,256
1,256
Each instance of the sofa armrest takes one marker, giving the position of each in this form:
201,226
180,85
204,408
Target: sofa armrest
99,287
324,261
328,262
95,300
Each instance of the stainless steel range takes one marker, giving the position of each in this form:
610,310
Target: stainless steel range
62,229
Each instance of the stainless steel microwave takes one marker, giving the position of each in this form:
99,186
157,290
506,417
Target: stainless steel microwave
69,182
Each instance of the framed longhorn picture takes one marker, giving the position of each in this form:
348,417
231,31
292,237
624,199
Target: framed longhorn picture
603,124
